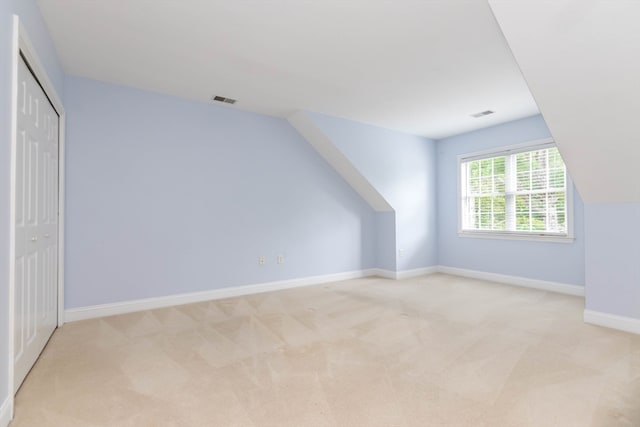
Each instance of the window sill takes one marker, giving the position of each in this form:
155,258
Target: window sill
517,236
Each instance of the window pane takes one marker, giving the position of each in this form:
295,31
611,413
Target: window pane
498,165
499,213
556,220
523,161
539,179
523,219
555,161
524,181
474,186
538,212
474,169
486,167
486,184
538,159
557,178
537,203
499,174
489,213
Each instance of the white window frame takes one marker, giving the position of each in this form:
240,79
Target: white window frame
515,235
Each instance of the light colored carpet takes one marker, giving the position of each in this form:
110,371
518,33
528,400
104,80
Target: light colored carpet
432,351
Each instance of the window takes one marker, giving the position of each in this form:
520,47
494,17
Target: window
519,191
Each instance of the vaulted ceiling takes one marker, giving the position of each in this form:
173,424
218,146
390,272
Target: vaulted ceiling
581,59
418,66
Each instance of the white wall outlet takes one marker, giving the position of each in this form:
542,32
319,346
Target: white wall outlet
262,260
280,259
401,253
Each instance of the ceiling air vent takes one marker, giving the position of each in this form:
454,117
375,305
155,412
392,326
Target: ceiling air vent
482,113
223,99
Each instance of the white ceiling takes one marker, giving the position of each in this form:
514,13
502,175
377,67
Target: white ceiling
418,66
582,61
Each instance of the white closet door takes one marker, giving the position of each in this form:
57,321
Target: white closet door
36,263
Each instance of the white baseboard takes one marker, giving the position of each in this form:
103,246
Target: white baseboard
562,288
6,412
103,310
623,323
386,274
405,274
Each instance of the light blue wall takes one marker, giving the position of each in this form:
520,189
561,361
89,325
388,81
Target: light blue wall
32,21
386,241
402,168
166,196
613,258
556,262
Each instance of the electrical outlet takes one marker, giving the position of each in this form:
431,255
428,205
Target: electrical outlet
262,260
401,253
280,259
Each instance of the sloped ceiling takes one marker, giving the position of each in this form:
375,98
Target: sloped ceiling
581,60
419,66
328,150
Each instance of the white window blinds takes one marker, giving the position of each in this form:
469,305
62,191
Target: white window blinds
515,191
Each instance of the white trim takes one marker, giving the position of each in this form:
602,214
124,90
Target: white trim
515,235
622,323
104,310
61,215
385,274
505,235
15,53
404,274
6,411
31,55
112,309
22,44
509,149
407,274
26,47
568,199
562,288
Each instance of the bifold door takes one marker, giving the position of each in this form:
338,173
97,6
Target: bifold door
36,226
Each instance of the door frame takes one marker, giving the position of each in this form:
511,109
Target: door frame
21,44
